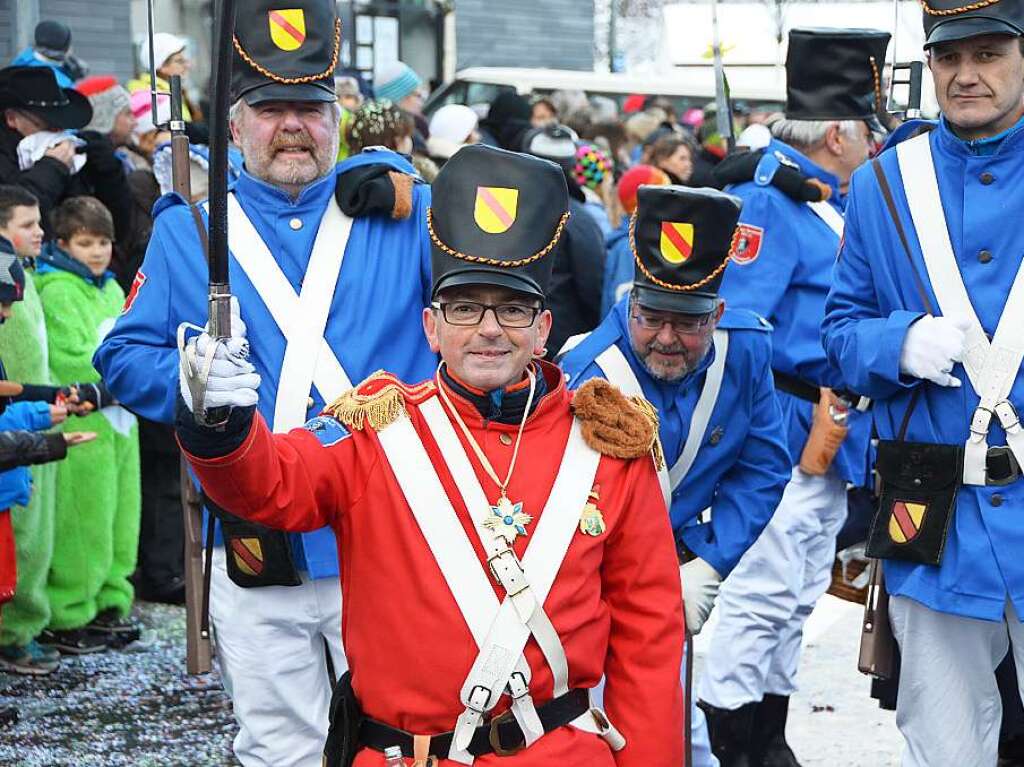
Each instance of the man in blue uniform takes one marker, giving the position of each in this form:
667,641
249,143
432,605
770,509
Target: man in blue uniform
321,315
925,315
707,370
782,271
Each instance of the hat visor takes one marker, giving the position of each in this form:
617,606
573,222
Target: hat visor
491,278
670,301
75,114
318,91
961,29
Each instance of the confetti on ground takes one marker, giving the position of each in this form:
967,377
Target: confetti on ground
136,706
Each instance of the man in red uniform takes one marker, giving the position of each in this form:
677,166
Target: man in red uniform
503,542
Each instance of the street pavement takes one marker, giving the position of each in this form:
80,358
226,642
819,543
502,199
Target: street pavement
137,706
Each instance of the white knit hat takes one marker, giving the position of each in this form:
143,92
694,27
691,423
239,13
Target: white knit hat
165,45
453,122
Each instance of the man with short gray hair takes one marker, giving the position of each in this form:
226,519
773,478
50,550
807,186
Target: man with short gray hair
782,266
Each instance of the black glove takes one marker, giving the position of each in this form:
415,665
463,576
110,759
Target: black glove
99,153
96,394
374,189
38,393
741,167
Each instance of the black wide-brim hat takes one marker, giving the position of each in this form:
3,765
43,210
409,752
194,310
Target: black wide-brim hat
496,218
835,74
949,20
682,240
35,90
286,54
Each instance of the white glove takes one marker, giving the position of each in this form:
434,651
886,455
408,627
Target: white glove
933,345
700,587
233,380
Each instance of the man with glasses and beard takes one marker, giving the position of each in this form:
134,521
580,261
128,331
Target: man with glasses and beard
782,269
330,291
707,371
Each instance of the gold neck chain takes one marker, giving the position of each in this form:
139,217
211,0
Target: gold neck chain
502,486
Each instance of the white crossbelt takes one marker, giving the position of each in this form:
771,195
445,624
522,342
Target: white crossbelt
829,215
617,370
308,360
991,367
500,631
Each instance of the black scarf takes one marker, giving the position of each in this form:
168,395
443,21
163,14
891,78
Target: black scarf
500,405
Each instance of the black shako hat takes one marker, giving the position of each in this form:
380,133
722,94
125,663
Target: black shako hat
835,74
681,240
35,90
496,218
948,20
285,50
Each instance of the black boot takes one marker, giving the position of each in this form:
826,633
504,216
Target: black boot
730,733
770,747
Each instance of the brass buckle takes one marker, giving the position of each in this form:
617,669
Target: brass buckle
495,738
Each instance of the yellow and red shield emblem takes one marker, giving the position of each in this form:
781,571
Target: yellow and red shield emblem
287,28
676,241
248,555
905,520
495,208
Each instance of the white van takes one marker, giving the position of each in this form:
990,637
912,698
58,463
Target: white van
691,86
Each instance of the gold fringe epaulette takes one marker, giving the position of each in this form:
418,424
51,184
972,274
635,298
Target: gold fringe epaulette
378,401
616,425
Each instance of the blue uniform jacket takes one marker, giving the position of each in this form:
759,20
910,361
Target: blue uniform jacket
873,302
786,282
742,465
16,484
375,319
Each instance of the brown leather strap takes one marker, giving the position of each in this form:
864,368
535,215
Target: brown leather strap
883,184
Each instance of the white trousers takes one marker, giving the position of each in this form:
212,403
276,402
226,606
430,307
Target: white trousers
767,598
949,709
270,644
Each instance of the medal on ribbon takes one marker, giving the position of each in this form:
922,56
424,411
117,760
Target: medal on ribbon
507,520
592,520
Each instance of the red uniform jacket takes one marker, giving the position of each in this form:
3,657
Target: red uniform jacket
616,600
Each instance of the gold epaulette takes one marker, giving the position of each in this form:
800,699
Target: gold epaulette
378,401
617,425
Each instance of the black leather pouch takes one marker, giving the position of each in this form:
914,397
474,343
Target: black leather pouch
345,719
256,556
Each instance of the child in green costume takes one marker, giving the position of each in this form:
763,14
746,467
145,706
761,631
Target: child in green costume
98,490
24,351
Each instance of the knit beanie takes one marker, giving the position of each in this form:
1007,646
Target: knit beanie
633,179
394,80
107,97
591,166
165,45
142,108
453,122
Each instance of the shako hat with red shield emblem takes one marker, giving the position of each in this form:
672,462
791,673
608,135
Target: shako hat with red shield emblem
681,240
285,50
496,218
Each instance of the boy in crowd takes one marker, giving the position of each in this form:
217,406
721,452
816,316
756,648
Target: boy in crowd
96,527
23,348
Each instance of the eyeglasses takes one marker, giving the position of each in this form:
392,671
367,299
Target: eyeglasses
466,313
680,325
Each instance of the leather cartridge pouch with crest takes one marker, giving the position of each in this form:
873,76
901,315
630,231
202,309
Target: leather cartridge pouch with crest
917,497
828,430
255,555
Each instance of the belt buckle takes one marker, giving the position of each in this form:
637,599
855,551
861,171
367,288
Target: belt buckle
1002,451
494,737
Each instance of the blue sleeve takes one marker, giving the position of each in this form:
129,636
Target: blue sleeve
749,491
761,283
138,359
26,416
576,376
421,202
859,342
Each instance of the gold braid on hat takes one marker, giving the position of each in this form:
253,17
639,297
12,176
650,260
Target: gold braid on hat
878,83
668,285
493,261
294,80
954,11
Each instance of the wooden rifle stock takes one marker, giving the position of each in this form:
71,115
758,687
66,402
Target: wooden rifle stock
198,654
877,643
